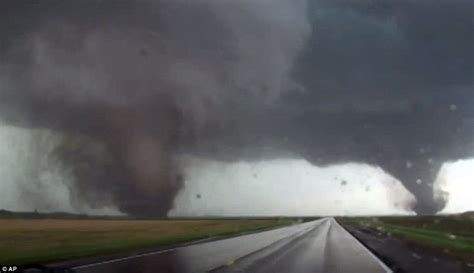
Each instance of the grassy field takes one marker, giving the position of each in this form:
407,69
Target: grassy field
453,235
26,241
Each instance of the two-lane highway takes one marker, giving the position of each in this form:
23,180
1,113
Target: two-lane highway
317,246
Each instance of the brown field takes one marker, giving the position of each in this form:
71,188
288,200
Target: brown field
25,241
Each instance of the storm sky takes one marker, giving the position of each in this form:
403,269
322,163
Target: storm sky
131,85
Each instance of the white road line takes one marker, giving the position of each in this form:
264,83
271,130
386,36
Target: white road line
127,258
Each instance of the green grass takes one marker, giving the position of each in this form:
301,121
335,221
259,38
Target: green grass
449,234
454,224
27,241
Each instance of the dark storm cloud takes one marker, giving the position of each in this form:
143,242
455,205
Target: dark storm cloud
391,47
384,82
129,83
398,77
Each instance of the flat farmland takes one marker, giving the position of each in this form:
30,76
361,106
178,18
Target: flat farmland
30,241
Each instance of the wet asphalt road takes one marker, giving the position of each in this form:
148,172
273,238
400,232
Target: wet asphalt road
317,246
